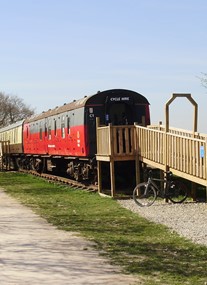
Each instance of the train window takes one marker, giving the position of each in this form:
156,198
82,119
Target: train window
63,130
15,135
120,114
78,116
40,133
27,132
40,130
45,130
55,127
49,133
68,125
12,136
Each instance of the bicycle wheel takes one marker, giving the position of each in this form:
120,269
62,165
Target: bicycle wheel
178,192
144,194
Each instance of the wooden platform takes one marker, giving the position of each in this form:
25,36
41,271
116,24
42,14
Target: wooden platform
114,143
182,152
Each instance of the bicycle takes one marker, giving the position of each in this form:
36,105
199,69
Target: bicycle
145,193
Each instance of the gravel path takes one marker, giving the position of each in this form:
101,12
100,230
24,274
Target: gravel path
187,219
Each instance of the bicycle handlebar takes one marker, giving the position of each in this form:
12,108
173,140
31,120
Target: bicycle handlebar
168,174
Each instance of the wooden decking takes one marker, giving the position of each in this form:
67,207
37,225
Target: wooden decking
182,152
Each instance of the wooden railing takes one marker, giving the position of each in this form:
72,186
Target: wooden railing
103,141
150,145
183,155
116,142
180,132
181,152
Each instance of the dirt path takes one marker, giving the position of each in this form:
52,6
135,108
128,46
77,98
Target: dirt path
34,252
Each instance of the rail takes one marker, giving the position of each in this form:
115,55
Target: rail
178,131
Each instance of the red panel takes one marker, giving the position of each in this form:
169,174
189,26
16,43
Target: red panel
32,142
74,143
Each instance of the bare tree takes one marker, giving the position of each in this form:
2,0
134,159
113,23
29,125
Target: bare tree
12,109
204,79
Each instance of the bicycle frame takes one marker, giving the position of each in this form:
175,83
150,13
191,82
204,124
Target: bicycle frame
145,193
160,192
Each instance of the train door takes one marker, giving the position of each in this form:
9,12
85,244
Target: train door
119,114
90,119
91,130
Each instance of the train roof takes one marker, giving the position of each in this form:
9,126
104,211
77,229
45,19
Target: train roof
99,98
12,126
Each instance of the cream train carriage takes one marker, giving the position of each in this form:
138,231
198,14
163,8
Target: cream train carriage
11,138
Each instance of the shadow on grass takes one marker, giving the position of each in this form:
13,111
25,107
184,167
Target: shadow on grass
138,245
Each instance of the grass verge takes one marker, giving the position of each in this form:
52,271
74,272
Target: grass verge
141,247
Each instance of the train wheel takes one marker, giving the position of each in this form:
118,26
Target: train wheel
39,164
19,163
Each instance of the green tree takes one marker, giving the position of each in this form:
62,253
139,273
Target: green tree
13,109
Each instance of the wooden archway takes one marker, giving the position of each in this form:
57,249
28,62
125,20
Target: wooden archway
188,96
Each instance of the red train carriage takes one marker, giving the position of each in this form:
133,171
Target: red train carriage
65,138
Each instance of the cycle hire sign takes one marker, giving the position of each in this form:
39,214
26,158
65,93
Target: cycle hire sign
202,152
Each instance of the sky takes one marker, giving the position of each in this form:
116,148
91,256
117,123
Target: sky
55,51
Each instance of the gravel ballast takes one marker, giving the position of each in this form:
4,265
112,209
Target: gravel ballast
188,219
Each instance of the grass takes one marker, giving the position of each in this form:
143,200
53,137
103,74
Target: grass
152,252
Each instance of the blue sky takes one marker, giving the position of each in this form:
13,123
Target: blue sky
54,51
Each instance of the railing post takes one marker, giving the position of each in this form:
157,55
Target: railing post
112,174
98,162
97,122
111,149
111,153
97,136
136,148
99,176
166,151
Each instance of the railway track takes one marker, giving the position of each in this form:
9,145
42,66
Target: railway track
63,180
60,180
